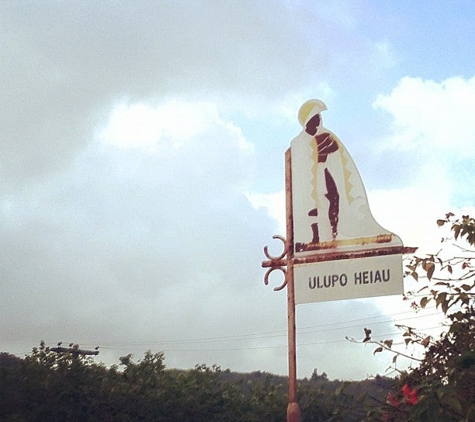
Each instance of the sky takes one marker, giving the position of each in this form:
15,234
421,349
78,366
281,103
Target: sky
142,168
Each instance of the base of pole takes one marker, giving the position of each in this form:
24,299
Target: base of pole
293,412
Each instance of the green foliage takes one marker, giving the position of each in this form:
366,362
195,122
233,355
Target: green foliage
51,387
462,227
442,386
268,399
68,387
316,402
358,401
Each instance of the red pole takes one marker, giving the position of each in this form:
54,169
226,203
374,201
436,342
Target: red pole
293,408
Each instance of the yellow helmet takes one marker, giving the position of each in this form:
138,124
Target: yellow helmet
309,109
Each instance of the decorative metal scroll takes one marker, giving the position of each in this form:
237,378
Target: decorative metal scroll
276,263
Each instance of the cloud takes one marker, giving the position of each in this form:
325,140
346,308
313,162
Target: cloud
68,66
274,204
134,242
432,124
430,115
179,122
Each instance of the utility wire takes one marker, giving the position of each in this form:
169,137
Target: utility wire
278,333
313,329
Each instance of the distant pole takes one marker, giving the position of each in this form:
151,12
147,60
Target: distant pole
293,408
74,350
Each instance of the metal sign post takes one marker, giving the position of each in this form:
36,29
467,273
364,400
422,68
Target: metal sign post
284,263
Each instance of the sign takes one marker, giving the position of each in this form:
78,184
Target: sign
331,220
334,249
348,279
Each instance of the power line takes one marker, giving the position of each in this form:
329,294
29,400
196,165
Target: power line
263,335
313,329
325,342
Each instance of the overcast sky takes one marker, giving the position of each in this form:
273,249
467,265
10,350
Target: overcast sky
141,167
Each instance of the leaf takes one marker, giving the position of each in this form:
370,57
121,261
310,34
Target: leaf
379,349
388,343
464,298
471,410
456,230
471,238
430,267
441,299
415,275
424,302
441,222
454,403
445,306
